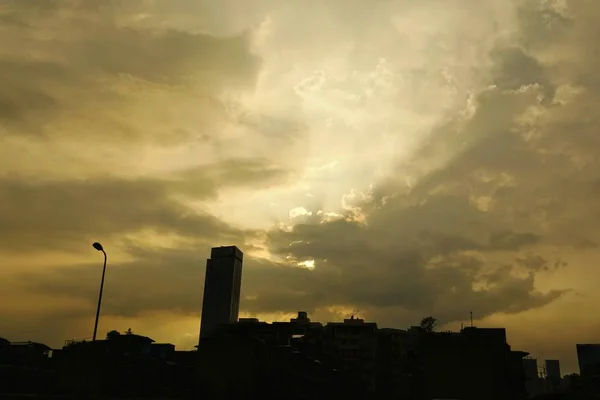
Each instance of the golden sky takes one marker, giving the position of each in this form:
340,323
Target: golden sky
389,158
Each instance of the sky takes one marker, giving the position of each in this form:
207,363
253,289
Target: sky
391,159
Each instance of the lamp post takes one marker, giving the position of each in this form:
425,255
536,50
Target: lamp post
99,247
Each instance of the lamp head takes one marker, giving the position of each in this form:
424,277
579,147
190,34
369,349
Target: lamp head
98,246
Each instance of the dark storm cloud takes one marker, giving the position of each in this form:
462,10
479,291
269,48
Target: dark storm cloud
530,156
376,268
159,280
240,172
511,240
427,250
73,59
79,69
42,215
56,215
515,68
171,280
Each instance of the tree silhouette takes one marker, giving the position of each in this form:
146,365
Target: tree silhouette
428,324
112,334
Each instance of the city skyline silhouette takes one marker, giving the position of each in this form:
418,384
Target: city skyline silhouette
240,358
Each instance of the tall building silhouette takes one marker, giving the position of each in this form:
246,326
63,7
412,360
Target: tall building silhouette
588,356
221,302
532,381
553,375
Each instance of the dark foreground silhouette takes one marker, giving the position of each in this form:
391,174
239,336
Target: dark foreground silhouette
299,359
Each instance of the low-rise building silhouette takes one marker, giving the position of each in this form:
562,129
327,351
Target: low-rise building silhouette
24,354
351,347
122,364
474,363
469,365
397,363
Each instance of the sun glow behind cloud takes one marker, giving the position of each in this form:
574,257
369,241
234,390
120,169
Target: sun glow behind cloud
363,98
308,264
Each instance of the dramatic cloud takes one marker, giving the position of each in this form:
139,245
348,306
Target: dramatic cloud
381,158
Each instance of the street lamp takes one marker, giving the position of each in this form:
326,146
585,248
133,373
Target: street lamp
99,247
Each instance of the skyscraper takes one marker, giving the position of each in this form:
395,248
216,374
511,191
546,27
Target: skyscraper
553,369
532,381
588,356
553,376
221,302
